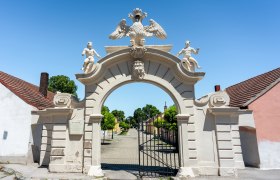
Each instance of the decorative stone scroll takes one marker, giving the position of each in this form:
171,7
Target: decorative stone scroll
138,69
63,100
216,99
219,99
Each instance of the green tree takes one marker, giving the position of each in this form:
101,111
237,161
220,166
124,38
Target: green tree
108,121
119,115
150,111
139,115
170,117
104,109
62,84
124,125
159,122
130,120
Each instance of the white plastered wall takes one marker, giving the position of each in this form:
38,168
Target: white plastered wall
15,120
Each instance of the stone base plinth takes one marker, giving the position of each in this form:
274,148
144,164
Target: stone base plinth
95,171
61,168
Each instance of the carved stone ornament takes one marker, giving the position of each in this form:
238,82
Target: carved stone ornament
137,32
138,52
219,99
138,71
62,100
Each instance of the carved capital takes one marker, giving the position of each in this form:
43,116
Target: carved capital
183,117
138,70
138,52
95,118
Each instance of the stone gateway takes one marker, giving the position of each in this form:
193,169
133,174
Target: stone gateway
208,133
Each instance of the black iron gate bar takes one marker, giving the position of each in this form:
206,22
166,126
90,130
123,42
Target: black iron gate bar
158,150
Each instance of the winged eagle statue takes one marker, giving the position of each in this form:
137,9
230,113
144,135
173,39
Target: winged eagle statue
137,32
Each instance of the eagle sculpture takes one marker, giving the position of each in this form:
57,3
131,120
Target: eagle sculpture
137,32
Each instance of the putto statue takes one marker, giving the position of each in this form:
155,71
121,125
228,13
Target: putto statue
188,61
89,61
137,32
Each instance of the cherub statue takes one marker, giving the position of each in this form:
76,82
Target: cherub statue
188,61
89,61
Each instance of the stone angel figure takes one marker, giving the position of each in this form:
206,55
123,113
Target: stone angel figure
137,32
89,61
188,61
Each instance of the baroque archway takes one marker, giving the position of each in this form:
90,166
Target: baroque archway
208,132
151,65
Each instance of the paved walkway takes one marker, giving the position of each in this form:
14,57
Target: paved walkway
120,161
121,153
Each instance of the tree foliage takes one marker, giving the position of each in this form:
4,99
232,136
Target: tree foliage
150,111
119,115
124,125
170,117
130,120
139,115
108,120
159,122
62,84
104,109
142,114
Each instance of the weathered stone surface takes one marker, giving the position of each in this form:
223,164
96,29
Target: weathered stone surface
57,152
87,161
191,128
225,145
57,159
226,154
87,152
58,143
87,144
65,168
224,128
224,136
88,127
57,127
88,135
59,135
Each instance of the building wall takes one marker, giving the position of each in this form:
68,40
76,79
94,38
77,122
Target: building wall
15,120
267,119
249,146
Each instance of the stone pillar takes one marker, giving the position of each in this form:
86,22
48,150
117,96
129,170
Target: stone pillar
95,168
225,123
187,145
239,162
65,155
45,144
58,144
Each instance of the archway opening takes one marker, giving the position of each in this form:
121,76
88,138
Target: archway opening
143,141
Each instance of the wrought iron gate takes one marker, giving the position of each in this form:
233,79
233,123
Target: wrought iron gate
158,149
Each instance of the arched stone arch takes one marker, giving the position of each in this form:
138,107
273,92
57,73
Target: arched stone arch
116,69
161,69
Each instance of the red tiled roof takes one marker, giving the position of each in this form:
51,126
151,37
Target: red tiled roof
26,91
244,93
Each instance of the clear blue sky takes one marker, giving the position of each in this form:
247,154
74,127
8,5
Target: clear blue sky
238,39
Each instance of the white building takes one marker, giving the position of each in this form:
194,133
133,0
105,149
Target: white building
17,99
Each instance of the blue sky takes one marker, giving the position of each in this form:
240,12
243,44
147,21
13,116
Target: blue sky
238,39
